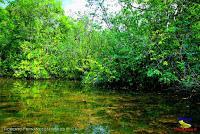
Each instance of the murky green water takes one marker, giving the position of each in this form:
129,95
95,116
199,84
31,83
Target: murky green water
65,107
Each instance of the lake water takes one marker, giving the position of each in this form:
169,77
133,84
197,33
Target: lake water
66,107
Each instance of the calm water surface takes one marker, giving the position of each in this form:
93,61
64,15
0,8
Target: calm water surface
66,107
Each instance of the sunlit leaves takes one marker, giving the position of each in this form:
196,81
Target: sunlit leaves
148,41
152,72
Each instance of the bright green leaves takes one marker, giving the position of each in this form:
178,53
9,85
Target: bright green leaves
6,26
165,77
35,33
99,73
165,63
30,69
65,23
168,78
153,72
171,29
154,42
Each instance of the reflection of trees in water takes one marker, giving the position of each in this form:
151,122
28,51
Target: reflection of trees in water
9,103
41,102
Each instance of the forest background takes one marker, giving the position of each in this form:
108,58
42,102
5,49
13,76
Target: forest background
147,44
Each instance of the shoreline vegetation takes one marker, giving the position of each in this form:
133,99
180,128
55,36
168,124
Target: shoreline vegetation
152,46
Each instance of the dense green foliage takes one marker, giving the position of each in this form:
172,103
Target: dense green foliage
150,45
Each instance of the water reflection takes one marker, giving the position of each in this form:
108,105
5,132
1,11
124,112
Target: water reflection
61,104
